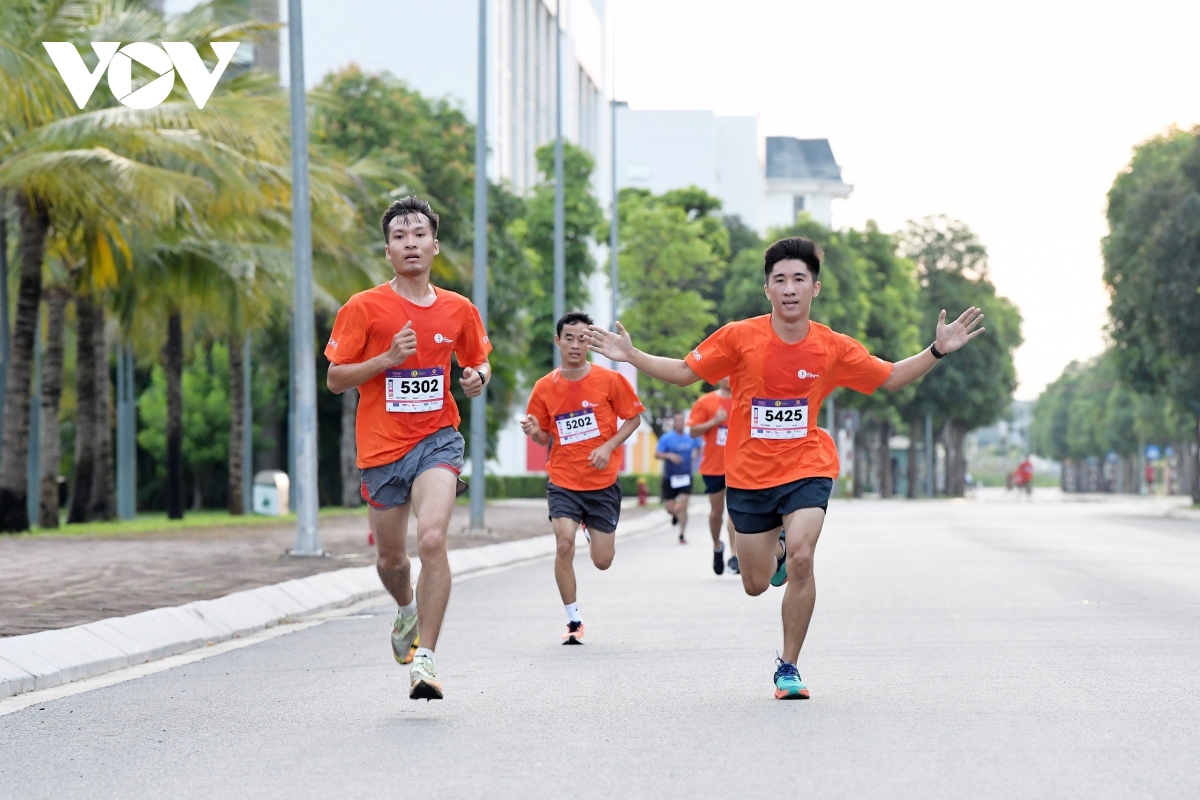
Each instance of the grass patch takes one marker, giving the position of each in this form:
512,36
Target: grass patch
192,520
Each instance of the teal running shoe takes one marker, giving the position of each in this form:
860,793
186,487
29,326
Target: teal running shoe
405,639
788,684
780,577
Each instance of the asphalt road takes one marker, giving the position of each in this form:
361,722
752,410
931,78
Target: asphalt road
966,649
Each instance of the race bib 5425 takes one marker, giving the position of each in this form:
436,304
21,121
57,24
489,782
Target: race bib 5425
778,419
413,390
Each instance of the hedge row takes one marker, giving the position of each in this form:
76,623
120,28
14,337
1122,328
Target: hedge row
511,486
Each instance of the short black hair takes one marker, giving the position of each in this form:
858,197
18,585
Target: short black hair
571,318
405,207
797,248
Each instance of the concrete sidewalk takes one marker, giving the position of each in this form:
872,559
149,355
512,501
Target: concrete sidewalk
51,658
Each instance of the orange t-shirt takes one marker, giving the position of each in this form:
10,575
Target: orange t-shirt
580,416
777,393
713,462
401,406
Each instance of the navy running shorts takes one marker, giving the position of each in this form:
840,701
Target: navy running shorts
713,483
599,509
762,510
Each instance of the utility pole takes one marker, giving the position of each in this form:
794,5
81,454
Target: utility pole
3,302
126,434
304,374
480,293
248,425
612,229
560,252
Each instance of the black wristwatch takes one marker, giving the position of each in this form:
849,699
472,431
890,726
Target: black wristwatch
934,351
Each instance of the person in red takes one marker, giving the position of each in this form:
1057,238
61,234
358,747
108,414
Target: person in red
1023,476
709,420
779,466
576,409
394,343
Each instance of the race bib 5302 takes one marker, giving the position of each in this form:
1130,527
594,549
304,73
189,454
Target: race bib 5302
577,426
413,390
778,419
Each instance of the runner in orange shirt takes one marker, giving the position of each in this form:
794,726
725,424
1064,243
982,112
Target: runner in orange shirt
779,469
575,409
708,420
394,343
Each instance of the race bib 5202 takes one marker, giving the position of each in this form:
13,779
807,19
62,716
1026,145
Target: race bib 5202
722,434
577,426
778,419
413,390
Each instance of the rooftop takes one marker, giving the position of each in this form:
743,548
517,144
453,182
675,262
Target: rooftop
790,158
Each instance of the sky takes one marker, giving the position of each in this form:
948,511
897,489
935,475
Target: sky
1012,117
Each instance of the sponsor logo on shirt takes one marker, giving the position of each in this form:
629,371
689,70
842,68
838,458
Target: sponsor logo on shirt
333,342
586,404
805,375
696,354
437,337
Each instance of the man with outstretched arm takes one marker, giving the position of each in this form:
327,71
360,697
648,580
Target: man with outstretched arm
677,450
576,409
708,421
779,468
394,343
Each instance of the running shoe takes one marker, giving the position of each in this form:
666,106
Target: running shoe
682,540
574,634
405,640
674,520
733,565
423,679
719,560
788,683
780,577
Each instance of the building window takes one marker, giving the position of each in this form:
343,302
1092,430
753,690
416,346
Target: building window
797,205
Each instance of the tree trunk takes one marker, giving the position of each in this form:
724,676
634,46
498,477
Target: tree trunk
351,482
886,473
1194,459
104,487
52,375
955,467
14,454
173,365
85,410
915,428
237,427
860,461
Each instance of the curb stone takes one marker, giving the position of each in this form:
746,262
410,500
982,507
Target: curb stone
51,658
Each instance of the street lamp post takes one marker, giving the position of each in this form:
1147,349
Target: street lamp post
612,228
479,404
304,376
560,253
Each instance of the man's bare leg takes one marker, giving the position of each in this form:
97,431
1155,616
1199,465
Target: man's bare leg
757,559
803,528
716,515
681,512
432,503
564,557
603,548
391,549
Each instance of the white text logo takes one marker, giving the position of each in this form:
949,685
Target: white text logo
118,61
805,374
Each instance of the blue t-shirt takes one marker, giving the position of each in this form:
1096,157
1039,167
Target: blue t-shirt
681,444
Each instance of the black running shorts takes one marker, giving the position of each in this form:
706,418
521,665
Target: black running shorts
762,510
713,483
599,509
670,492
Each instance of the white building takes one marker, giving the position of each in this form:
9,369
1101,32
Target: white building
800,175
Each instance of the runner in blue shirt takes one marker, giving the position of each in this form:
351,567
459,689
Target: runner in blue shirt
677,451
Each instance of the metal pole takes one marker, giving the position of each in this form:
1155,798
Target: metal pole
560,254
930,458
33,465
3,302
304,375
248,422
612,228
122,432
479,404
131,426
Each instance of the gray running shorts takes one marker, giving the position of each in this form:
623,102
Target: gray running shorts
390,485
599,509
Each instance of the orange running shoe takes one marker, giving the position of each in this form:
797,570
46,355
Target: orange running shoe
574,634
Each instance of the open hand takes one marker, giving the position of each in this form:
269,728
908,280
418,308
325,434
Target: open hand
615,346
403,345
721,416
600,456
955,335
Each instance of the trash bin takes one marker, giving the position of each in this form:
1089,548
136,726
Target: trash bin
271,493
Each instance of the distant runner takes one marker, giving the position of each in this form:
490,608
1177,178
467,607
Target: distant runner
394,343
676,449
576,408
709,420
1023,476
779,469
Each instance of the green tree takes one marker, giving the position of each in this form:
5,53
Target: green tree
665,265
1152,267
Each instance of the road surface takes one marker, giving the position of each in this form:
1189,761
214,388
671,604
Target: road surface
959,649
